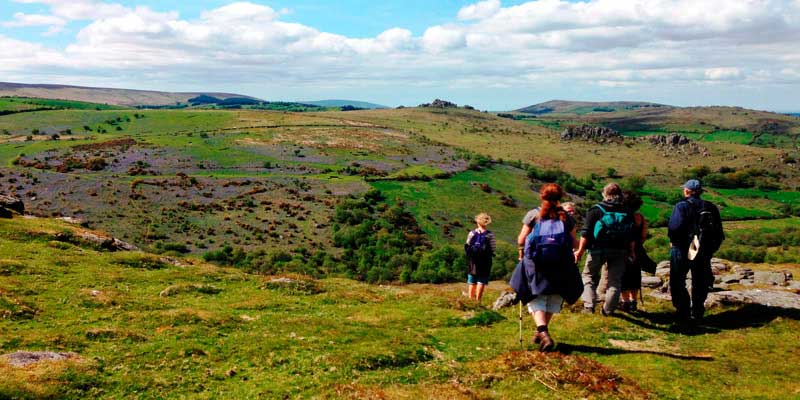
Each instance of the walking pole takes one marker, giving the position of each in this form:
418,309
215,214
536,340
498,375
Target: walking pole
521,346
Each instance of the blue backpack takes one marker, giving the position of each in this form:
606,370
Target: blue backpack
549,245
613,227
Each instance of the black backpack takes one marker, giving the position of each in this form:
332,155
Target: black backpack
706,226
479,247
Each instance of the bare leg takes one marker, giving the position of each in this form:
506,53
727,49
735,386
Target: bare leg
542,318
479,295
471,290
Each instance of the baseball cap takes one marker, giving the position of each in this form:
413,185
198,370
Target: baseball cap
693,184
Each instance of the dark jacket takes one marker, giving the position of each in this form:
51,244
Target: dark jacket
480,265
682,221
592,216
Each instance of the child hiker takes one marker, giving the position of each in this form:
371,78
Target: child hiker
479,249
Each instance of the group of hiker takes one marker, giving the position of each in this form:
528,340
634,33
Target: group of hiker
612,234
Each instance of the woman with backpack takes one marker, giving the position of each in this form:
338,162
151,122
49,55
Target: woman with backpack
479,249
546,242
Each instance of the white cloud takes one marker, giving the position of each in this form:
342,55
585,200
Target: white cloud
56,24
596,43
439,38
480,10
80,9
723,74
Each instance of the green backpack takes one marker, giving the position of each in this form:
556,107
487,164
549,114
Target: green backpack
613,228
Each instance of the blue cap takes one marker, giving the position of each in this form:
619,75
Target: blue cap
693,185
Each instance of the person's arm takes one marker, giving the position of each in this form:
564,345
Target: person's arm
492,242
675,225
581,248
523,234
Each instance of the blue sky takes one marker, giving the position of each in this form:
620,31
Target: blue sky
492,54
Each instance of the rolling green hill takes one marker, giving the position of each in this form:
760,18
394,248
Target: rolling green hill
587,107
258,229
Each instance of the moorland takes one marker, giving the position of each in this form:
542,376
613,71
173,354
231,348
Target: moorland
364,212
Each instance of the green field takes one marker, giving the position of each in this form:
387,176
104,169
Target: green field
146,329
377,195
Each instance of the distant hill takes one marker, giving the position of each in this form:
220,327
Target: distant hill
122,97
342,103
586,107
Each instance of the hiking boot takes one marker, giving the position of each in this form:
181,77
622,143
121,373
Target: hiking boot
587,310
632,307
537,337
606,313
547,342
625,306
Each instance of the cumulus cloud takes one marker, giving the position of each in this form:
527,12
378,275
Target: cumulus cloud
483,9
598,43
55,24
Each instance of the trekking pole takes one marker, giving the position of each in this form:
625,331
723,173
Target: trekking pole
521,346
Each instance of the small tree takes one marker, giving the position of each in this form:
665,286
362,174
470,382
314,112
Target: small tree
611,172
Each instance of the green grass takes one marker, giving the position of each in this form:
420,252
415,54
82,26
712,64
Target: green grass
346,339
442,202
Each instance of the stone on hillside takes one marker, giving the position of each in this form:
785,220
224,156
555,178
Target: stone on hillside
24,358
663,268
769,278
598,134
731,278
747,282
506,299
768,297
652,281
744,272
11,203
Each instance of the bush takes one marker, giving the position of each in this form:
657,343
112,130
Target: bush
634,183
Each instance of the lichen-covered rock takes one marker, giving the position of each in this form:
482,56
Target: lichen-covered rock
768,297
506,299
652,281
769,278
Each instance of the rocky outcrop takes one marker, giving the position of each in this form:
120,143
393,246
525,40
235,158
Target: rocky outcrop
9,205
599,134
675,144
774,288
438,103
104,242
764,297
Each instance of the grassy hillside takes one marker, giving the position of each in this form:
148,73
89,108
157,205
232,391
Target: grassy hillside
198,181
586,107
121,97
150,327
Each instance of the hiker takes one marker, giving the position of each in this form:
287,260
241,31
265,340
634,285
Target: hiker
632,278
546,243
695,234
606,234
480,248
